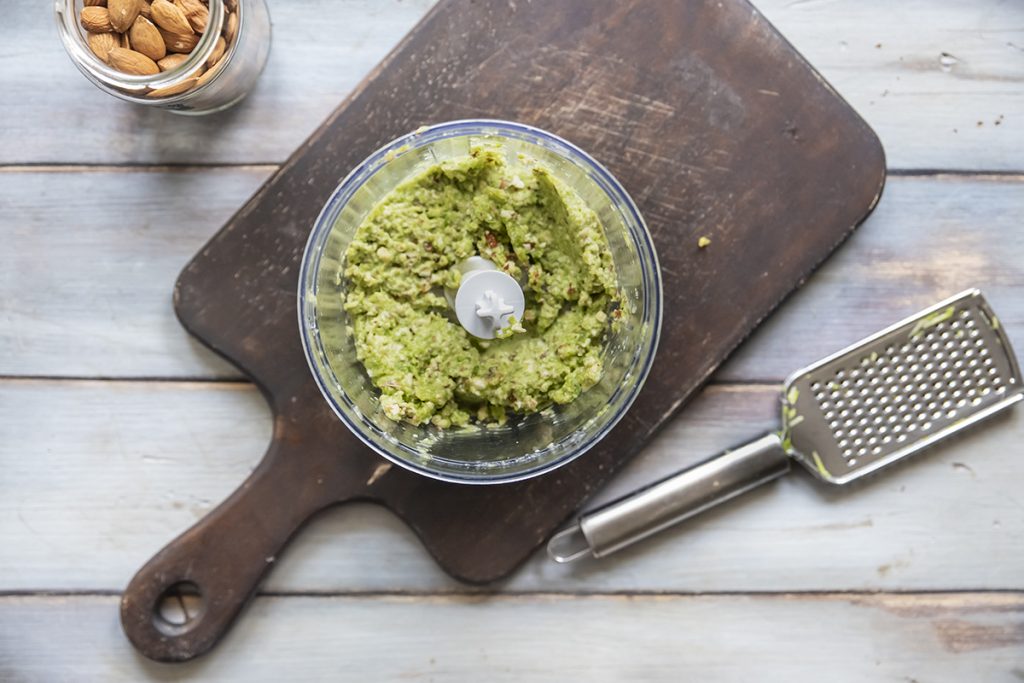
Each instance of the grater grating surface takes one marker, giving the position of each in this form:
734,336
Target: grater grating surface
900,390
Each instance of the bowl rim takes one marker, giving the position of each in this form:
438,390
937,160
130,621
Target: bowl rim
342,193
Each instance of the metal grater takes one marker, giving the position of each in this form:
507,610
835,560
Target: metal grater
865,407
900,390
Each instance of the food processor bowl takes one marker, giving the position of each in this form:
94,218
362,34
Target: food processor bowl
526,445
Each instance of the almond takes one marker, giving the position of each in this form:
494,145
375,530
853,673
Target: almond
187,6
177,42
96,20
123,13
123,41
147,40
132,62
232,5
94,3
210,74
100,43
231,26
170,18
196,13
171,62
218,51
176,89
145,10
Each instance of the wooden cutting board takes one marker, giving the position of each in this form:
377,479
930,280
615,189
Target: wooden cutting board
710,119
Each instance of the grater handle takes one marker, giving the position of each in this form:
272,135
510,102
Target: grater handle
667,502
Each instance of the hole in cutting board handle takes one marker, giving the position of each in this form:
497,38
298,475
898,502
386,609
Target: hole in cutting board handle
179,608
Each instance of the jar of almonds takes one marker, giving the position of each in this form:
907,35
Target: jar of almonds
188,56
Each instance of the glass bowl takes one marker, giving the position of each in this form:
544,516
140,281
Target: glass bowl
527,445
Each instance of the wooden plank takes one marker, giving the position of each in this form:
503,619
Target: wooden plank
928,239
944,637
926,107
115,242
99,475
127,237
940,82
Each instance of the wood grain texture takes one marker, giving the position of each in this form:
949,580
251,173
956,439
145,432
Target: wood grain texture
670,97
928,238
140,462
105,494
90,261
941,82
797,638
927,113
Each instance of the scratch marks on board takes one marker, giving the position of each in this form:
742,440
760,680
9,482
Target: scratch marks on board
24,523
614,106
711,97
40,536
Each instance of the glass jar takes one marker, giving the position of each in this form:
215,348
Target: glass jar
201,83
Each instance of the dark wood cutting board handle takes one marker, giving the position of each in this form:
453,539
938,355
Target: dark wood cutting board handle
224,556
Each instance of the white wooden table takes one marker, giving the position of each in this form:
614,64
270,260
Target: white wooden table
117,431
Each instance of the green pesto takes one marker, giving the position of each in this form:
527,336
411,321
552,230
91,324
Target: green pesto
407,252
